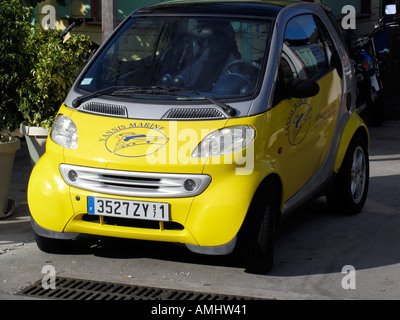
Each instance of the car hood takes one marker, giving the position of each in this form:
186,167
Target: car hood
136,144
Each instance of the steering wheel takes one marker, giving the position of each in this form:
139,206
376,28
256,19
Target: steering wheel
246,67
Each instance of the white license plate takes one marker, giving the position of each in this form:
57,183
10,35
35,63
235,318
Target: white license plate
128,209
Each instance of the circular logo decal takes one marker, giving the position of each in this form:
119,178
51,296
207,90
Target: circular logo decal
299,123
135,141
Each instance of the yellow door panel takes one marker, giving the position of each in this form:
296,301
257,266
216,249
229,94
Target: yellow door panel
309,124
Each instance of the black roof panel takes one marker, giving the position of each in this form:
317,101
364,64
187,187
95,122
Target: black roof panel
252,8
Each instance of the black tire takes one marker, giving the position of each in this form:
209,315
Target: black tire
350,187
258,233
49,245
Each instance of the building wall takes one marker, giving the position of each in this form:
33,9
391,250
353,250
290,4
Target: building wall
365,25
81,8
76,9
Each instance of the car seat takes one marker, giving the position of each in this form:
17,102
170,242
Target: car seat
198,57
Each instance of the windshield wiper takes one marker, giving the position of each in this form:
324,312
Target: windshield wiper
173,91
226,107
78,101
176,91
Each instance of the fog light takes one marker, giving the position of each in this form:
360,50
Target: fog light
72,175
190,185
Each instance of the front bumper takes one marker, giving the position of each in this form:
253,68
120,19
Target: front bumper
207,222
210,250
207,218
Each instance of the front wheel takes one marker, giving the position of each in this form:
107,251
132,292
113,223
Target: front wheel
49,245
259,230
350,188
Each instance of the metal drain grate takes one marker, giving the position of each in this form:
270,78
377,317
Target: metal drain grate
77,289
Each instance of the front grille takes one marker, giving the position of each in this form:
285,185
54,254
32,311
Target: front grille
121,181
133,223
104,108
77,289
194,113
132,183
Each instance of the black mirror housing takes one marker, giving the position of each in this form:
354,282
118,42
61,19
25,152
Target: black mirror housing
304,88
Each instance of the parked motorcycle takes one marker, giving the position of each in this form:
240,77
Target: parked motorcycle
370,66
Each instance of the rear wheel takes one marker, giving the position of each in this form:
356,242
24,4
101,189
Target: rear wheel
259,229
350,188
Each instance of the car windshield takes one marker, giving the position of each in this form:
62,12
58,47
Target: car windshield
215,56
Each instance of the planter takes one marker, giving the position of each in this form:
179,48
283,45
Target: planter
7,154
36,141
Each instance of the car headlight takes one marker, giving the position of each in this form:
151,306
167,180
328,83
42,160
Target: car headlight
64,133
224,141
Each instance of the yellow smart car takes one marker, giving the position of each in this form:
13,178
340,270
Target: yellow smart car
201,124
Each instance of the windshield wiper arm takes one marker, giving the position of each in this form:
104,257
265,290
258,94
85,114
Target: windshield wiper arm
116,90
143,90
176,90
126,90
78,101
226,107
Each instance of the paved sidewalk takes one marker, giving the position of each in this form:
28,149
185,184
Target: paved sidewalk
15,231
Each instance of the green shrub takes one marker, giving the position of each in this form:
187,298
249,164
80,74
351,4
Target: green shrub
14,68
55,65
37,68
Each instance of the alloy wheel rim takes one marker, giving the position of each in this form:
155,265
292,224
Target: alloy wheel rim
358,175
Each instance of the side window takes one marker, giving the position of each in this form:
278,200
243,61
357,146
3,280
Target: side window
331,52
343,34
327,40
286,74
304,40
307,52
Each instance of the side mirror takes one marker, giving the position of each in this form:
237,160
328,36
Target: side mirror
301,88
390,9
393,10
